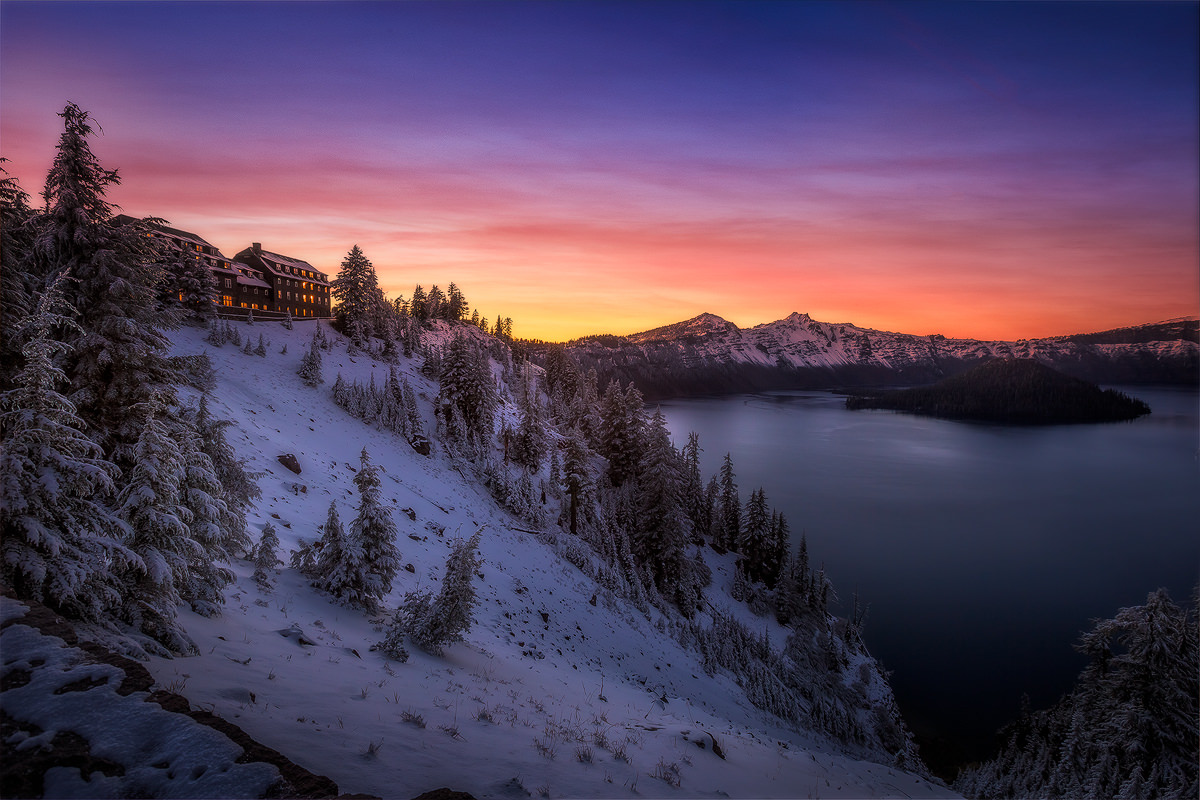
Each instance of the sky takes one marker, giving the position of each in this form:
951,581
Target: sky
983,170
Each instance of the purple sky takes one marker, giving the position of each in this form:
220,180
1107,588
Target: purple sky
990,170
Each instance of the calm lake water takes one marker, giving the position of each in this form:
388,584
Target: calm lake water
983,550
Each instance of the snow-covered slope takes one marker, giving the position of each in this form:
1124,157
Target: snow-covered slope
710,354
560,689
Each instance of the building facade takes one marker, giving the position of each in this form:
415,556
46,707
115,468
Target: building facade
297,287
254,279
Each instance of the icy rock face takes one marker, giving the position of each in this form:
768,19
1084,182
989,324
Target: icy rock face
710,354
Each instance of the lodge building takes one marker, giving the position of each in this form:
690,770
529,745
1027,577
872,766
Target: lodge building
296,285
255,279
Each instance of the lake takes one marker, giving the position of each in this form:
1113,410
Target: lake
983,550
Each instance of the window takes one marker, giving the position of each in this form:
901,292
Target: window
228,283
227,300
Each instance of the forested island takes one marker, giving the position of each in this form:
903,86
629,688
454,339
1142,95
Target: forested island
1014,391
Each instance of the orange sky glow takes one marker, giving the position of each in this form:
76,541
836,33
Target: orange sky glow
583,171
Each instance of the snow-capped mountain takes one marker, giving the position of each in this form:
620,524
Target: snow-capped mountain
709,354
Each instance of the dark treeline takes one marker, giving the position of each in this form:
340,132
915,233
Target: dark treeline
1015,391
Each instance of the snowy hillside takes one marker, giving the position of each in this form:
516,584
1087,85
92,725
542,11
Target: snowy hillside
710,354
561,689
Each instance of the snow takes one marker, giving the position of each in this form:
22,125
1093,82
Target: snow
164,754
560,689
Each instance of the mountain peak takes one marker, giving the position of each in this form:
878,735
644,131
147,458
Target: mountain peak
703,325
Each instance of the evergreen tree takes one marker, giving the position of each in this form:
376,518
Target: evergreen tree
119,359
152,505
356,290
212,525
576,477
329,554
17,278
730,509
419,306
621,424
59,541
310,364
693,488
466,400
451,613
662,535
456,304
374,533
753,540
238,485
435,303
1129,727
264,556
188,283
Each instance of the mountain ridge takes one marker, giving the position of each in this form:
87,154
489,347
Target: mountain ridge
711,355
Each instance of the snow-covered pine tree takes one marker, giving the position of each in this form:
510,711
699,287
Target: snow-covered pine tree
265,557
374,533
261,349
621,427
456,304
17,279
451,613
466,400
119,359
342,568
188,283
729,509
310,364
287,321
661,537
752,543
435,303
212,525
152,504
249,349
1128,728
693,488
355,289
60,543
418,306
238,485
250,319
577,482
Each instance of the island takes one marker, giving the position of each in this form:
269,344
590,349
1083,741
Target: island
1008,390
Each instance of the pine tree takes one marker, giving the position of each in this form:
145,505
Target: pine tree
212,525
752,543
730,509
435,303
374,533
188,283
152,505
418,306
310,364
621,424
662,534
456,304
118,360
466,400
17,278
238,485
261,350
59,541
356,289
264,556
433,625
576,477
